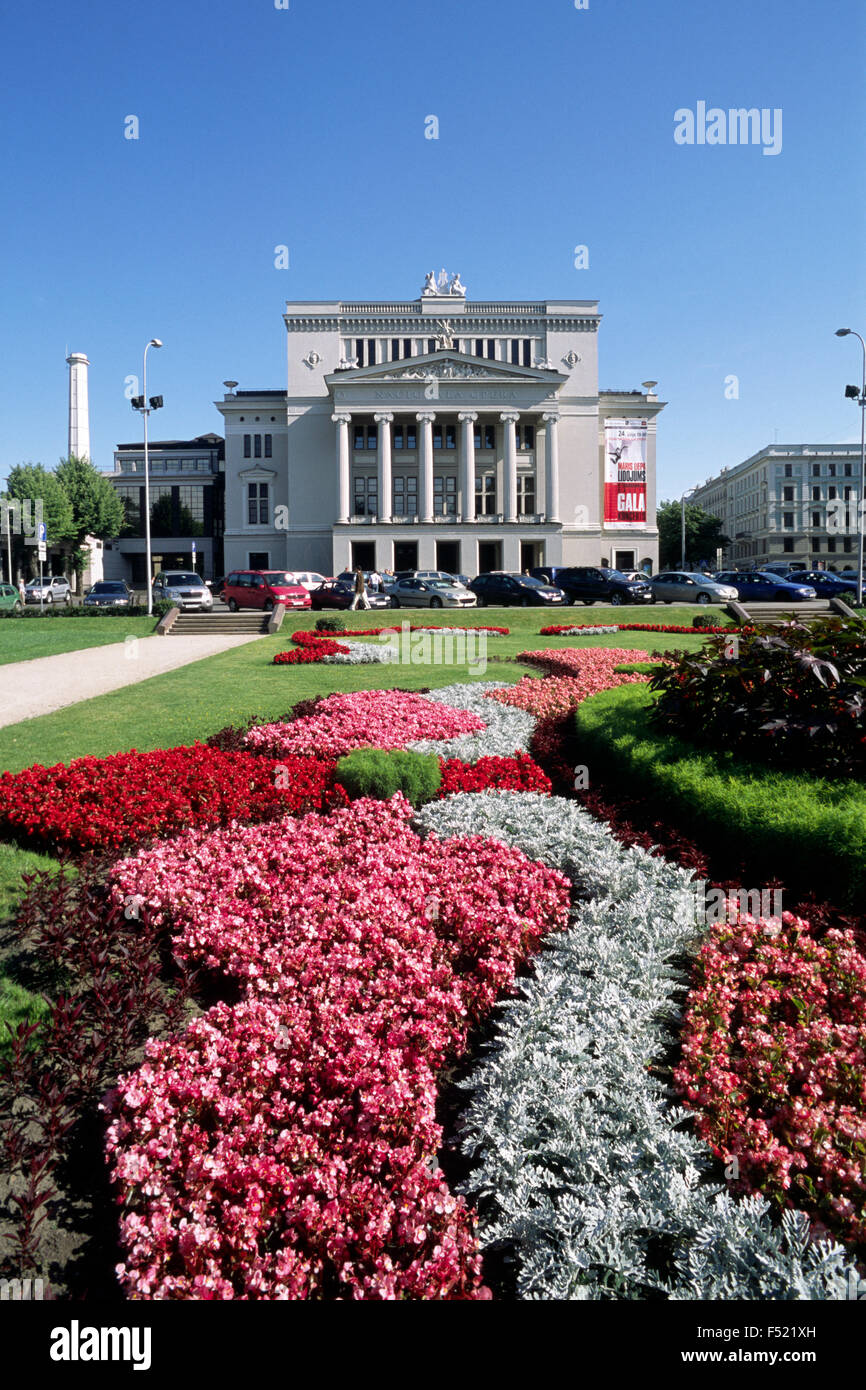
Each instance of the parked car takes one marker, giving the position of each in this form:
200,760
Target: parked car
53,588
308,579
765,588
430,593
690,586
338,593
10,600
217,586
108,593
590,584
184,588
825,583
500,589
264,589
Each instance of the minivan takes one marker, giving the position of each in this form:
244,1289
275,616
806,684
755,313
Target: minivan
263,589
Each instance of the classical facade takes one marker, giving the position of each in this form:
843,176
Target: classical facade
440,433
789,504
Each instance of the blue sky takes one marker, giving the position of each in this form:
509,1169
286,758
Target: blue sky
305,127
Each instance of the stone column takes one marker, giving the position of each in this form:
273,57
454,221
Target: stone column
425,420
342,421
467,419
384,422
509,419
551,466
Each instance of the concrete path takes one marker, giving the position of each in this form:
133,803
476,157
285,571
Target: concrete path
48,683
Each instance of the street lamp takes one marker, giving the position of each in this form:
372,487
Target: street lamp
844,333
145,406
683,506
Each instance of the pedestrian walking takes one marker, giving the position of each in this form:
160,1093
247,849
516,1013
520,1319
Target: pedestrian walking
360,600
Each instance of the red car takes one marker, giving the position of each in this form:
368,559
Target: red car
263,589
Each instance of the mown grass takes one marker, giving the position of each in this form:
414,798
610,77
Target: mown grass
25,639
809,831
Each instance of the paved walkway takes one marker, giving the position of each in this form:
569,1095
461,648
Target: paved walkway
48,683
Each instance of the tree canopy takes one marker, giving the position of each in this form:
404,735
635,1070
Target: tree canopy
703,535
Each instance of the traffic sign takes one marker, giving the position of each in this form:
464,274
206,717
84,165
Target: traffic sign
43,533
42,552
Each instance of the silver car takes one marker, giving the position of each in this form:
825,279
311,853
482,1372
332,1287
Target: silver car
184,588
53,589
430,593
690,586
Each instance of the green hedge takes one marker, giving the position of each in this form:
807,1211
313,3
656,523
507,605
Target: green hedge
371,772
64,610
807,830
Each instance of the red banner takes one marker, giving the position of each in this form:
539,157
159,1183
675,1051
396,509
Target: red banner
625,473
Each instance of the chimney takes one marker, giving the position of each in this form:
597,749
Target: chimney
79,411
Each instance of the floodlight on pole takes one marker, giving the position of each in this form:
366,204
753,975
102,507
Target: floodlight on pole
145,406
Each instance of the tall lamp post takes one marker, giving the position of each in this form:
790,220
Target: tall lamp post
851,392
145,406
683,534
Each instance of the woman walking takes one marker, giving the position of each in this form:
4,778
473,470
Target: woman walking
360,600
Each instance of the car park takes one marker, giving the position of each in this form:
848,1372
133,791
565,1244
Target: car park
430,593
765,588
690,586
264,589
53,588
184,588
597,584
500,589
108,593
339,593
10,600
308,579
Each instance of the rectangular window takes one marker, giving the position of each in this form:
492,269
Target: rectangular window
788,544
476,435
789,470
788,521
491,349
485,494
248,444
831,494
257,446
832,470
490,436
527,352
515,351
360,496
397,437
395,349
359,351
372,436
816,470
431,344
848,544
407,347
450,436
788,494
816,518
257,504
411,439
526,494
371,352
816,494
269,446
437,437
831,543
359,437
848,473
479,347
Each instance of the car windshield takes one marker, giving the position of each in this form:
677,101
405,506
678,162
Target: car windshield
180,578
443,583
613,574
699,578
531,583
108,588
280,579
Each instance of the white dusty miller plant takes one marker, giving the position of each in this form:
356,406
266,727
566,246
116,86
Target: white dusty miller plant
587,1173
508,729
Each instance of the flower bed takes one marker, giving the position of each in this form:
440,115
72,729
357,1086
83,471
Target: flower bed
582,1166
284,1147
429,627
585,630
98,804
574,673
368,718
520,774
506,731
774,1061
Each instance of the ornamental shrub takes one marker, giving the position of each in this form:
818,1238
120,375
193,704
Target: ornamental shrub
371,772
790,695
330,625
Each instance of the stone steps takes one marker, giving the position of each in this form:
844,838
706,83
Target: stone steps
229,624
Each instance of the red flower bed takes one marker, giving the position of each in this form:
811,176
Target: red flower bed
425,627
774,1059
518,774
105,803
284,1147
633,627
309,647
573,674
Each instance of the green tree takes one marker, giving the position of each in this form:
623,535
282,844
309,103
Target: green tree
703,535
33,484
96,507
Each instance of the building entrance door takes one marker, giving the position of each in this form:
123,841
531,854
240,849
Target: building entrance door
489,556
623,559
363,555
448,556
405,555
530,554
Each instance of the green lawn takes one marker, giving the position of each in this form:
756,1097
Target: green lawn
23,639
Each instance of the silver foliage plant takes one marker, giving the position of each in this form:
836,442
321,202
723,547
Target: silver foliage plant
508,729
587,1171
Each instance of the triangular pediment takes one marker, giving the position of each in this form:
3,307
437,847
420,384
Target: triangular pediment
446,365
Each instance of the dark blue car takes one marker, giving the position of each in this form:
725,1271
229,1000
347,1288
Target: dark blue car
764,587
825,584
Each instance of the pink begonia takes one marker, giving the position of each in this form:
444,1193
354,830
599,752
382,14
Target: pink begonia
574,673
385,719
284,1146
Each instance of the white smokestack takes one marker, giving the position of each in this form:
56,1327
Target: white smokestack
79,410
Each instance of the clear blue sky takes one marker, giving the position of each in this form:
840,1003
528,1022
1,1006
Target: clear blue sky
305,126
